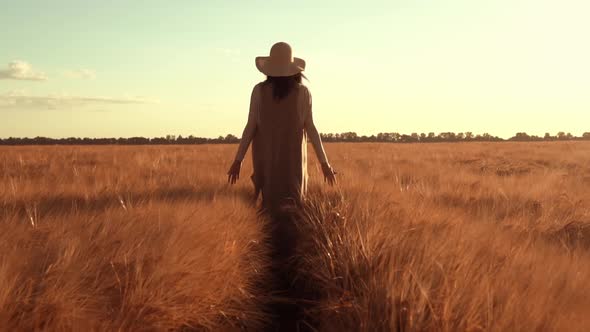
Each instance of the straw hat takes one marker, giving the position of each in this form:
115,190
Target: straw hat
281,62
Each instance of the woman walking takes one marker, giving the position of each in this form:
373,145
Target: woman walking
279,122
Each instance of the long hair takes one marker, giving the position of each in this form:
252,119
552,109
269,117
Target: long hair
282,86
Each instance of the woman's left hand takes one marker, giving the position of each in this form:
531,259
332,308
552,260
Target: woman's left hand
233,175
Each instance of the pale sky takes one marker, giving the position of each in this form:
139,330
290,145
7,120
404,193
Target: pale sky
151,68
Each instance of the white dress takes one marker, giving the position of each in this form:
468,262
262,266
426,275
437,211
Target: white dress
278,130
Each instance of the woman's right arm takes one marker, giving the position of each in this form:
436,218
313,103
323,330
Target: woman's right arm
316,140
250,128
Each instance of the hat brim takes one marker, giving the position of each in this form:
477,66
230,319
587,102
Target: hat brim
273,69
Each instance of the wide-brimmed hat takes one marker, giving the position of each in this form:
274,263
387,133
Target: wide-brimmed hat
281,62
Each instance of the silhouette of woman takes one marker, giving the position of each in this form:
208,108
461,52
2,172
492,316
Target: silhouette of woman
279,122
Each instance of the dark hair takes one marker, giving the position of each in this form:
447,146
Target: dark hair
282,86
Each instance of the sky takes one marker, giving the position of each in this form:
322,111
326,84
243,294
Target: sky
152,68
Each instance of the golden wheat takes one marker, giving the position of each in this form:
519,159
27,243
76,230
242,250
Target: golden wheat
476,236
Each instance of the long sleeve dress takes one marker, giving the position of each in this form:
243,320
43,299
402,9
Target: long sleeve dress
278,131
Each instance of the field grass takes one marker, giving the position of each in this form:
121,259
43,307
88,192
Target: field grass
443,237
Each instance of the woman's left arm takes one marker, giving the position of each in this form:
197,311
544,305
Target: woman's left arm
247,136
250,128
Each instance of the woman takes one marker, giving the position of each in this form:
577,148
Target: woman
279,122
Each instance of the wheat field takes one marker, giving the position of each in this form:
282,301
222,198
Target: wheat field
415,237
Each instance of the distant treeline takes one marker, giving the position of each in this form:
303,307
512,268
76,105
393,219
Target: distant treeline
343,137
447,137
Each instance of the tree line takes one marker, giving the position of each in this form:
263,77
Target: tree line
330,137
448,137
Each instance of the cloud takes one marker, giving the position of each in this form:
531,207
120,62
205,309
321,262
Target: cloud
21,100
21,70
85,74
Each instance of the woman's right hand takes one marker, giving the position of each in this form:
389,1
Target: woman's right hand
329,173
233,175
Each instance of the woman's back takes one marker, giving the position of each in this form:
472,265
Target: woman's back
279,148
